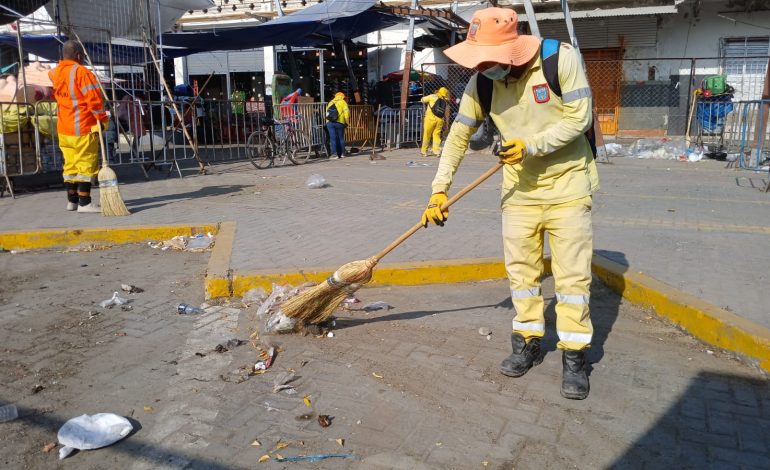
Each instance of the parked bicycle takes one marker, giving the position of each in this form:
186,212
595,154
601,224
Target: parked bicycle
276,140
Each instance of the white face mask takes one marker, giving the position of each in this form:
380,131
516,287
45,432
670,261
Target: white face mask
497,72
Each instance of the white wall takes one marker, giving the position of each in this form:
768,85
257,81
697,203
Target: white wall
390,57
683,36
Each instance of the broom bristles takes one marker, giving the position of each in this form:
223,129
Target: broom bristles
317,304
109,194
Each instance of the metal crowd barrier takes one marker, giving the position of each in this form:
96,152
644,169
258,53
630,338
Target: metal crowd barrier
754,150
392,134
150,133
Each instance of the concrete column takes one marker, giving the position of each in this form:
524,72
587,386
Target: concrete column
269,56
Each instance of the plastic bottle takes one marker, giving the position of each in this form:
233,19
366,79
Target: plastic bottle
8,413
184,309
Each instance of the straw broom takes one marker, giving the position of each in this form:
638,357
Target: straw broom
317,304
109,195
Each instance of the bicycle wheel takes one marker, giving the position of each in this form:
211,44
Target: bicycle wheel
299,156
260,149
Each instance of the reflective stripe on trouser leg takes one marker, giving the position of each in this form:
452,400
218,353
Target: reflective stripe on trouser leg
81,157
571,241
523,247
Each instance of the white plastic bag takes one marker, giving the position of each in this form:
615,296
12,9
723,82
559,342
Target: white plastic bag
315,181
92,432
613,149
115,300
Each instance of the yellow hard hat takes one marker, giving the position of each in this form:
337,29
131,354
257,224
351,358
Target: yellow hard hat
442,92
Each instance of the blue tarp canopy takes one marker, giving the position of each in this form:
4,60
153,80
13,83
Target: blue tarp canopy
317,25
47,46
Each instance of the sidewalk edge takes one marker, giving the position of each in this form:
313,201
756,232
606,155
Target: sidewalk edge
64,237
706,322
219,276
700,319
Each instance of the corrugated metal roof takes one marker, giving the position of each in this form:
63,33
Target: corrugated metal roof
604,13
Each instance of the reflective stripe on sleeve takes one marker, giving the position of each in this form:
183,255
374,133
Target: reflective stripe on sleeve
86,88
470,122
529,326
573,299
575,95
584,338
74,99
525,293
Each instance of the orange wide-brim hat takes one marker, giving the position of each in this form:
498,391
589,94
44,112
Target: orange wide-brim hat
493,37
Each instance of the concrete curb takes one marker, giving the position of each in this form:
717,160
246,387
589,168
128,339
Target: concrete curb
218,281
706,322
62,237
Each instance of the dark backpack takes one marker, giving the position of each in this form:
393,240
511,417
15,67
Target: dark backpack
549,53
332,113
439,107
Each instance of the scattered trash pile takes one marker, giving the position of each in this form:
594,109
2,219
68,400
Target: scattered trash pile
195,244
658,149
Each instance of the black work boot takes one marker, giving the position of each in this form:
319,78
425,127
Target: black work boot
524,356
574,381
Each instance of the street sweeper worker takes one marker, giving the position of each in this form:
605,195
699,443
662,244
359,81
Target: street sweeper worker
548,179
337,119
436,106
81,110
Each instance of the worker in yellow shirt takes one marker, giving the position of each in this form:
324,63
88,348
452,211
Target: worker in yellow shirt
337,120
548,179
433,124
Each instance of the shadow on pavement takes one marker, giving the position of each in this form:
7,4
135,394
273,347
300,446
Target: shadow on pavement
133,447
141,204
719,421
604,308
350,322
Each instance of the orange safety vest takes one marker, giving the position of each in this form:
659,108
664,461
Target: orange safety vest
79,98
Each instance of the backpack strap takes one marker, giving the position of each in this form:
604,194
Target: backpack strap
484,91
549,52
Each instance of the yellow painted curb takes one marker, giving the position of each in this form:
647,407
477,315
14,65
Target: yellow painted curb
51,238
392,274
701,319
706,322
218,282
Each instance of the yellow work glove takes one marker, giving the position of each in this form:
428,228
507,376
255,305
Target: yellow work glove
433,212
95,127
512,151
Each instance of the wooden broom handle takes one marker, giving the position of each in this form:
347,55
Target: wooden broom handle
376,258
101,144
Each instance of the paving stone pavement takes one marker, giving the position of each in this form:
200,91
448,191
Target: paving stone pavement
412,387
699,227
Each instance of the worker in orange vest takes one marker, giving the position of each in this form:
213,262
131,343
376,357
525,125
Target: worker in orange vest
81,109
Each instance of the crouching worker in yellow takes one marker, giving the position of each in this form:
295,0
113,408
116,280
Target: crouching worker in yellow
433,122
80,110
548,179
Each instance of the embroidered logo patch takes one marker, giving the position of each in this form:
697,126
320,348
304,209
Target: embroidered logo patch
473,29
541,92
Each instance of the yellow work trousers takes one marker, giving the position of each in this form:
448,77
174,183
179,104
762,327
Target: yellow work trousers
81,157
571,242
431,131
